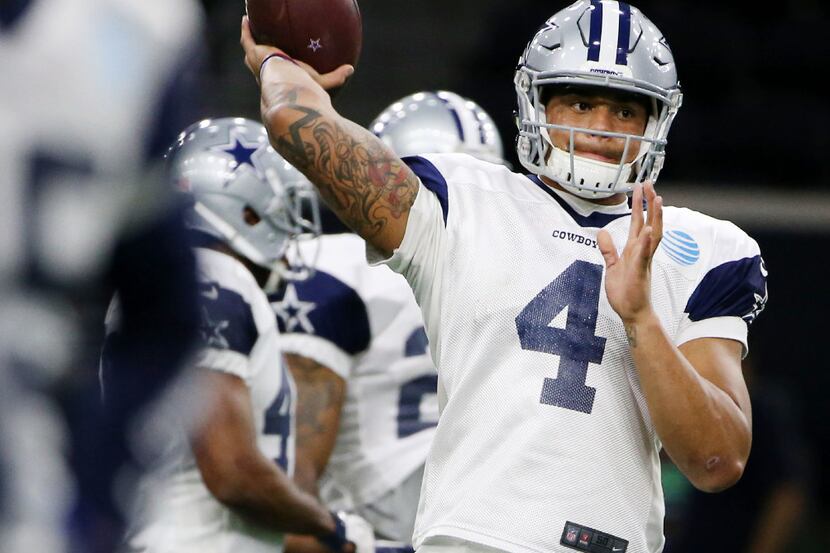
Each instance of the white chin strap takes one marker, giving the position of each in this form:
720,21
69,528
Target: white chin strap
233,237
239,244
274,279
591,178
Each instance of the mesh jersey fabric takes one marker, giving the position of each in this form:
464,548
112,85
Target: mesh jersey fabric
542,418
363,323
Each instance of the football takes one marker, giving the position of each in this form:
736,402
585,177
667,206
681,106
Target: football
323,33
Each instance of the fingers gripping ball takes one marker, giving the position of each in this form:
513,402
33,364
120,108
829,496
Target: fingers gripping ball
323,33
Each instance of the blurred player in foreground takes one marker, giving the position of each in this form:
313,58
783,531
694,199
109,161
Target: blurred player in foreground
367,387
83,213
573,337
224,484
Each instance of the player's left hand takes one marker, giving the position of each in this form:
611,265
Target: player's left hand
255,54
628,276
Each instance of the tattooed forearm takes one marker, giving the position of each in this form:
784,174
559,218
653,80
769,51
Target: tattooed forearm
631,335
357,175
320,394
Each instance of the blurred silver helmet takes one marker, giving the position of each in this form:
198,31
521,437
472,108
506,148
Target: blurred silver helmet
242,191
439,122
599,43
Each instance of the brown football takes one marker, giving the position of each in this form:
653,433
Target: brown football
323,33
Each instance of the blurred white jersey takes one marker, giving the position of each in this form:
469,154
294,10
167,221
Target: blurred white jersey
82,91
239,336
544,441
85,83
363,323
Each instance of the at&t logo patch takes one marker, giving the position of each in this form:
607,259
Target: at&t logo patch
680,247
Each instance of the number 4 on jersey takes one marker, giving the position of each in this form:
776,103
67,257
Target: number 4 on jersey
577,288
278,419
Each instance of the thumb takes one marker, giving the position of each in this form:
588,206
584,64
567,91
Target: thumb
607,248
336,78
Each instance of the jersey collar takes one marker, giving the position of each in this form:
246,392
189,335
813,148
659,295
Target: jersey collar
583,212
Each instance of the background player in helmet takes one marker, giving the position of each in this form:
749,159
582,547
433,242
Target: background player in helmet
439,122
360,347
573,337
230,488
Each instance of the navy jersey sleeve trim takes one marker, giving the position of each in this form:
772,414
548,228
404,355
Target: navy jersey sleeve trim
227,321
326,307
432,178
733,289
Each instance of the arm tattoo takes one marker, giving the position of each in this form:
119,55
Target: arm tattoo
356,174
320,395
631,334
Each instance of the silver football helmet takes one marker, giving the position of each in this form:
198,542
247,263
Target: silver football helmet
244,193
599,43
439,122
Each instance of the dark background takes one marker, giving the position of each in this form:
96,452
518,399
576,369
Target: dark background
749,144
754,112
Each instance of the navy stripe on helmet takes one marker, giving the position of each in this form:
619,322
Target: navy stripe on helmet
624,35
482,136
455,116
595,37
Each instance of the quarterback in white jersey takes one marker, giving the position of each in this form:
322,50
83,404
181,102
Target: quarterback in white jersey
552,335
573,336
224,485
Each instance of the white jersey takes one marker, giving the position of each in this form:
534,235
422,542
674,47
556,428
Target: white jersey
239,337
363,323
74,125
82,92
544,438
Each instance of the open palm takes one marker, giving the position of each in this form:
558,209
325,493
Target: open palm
628,275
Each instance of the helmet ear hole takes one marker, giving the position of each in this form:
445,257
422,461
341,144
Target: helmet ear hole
250,216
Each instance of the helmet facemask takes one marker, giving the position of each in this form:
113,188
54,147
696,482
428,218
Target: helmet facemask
305,212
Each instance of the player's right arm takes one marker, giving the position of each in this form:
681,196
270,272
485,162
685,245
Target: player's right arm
369,188
237,473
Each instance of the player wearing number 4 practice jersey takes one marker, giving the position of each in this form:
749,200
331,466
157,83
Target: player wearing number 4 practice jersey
228,489
357,329
574,335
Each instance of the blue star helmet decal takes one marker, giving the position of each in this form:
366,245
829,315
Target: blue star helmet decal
241,150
